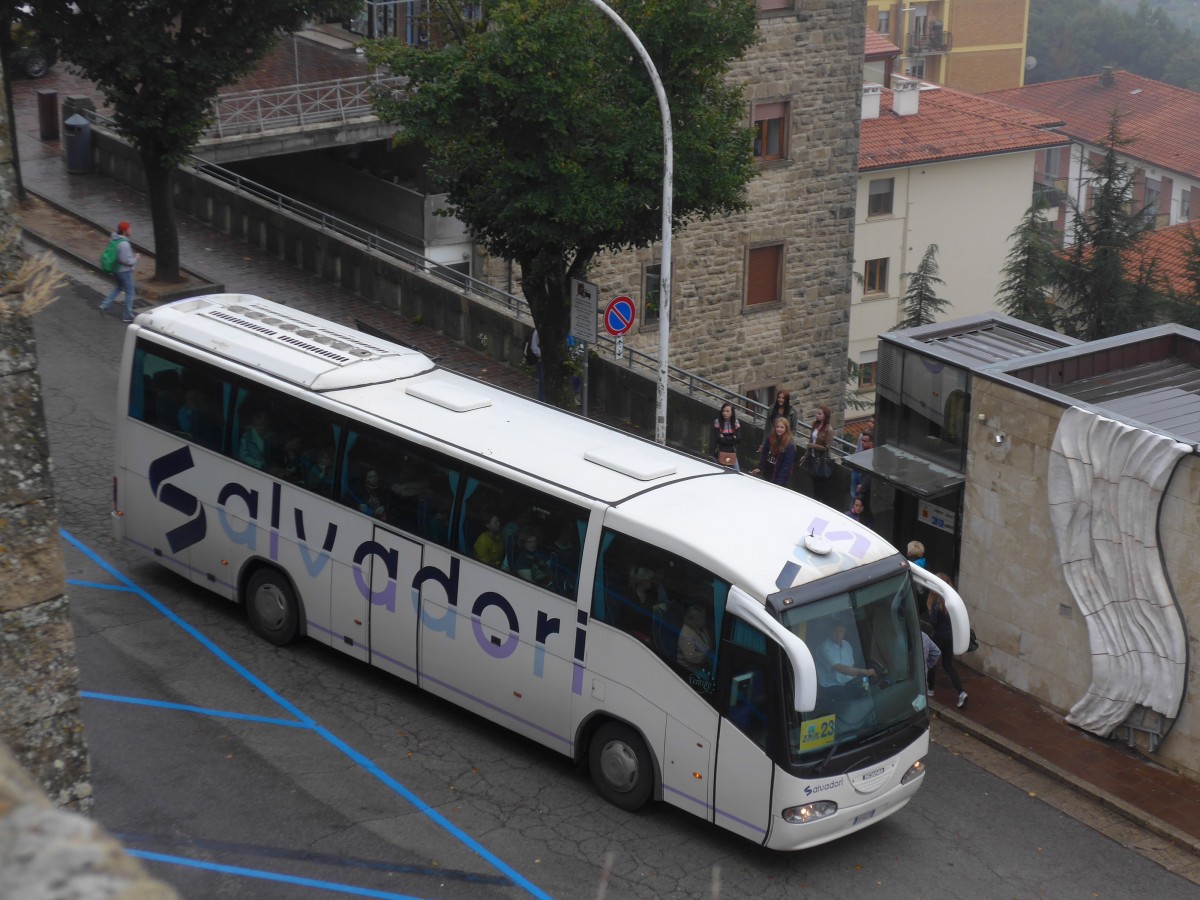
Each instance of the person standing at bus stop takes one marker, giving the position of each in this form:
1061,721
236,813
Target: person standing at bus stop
820,465
126,260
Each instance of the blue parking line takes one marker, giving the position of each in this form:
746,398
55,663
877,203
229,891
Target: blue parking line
363,761
270,876
183,707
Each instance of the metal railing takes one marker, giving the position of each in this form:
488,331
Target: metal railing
320,102
929,42
692,384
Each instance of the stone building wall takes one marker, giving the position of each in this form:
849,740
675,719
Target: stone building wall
39,693
812,57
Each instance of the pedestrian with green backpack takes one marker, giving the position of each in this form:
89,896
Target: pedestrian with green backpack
118,259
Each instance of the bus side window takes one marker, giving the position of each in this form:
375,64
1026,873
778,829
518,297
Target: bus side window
670,603
743,697
534,536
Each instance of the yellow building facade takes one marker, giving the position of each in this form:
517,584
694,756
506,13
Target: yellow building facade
972,45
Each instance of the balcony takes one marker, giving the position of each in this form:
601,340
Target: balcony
928,42
1049,191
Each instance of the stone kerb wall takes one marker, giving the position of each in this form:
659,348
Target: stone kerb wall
1032,634
48,852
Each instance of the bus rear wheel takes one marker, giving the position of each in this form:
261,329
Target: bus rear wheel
620,766
271,607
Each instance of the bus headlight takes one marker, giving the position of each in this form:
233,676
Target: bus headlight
916,770
809,812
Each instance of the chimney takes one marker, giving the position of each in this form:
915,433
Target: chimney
870,100
906,96
1106,76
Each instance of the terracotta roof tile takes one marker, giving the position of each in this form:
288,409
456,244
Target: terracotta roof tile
1160,118
949,125
879,47
1171,248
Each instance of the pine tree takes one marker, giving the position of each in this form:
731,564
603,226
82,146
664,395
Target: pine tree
1098,296
1030,269
1184,304
921,302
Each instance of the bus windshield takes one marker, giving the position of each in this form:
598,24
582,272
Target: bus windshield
866,644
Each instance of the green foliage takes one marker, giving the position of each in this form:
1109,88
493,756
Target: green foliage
545,134
1030,269
160,64
1098,295
921,301
1184,304
1073,38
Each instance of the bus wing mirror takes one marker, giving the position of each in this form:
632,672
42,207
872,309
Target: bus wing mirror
804,691
959,619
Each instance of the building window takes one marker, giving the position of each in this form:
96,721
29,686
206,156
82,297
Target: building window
875,276
764,270
770,131
915,68
866,376
884,23
880,195
651,292
1185,205
1150,200
775,4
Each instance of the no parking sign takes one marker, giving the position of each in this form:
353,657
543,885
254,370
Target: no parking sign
619,316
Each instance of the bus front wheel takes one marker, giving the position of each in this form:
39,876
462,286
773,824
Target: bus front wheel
620,766
271,607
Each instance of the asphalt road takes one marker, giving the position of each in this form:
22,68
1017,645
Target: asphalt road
241,770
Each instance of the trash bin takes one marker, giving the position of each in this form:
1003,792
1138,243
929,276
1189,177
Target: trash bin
78,139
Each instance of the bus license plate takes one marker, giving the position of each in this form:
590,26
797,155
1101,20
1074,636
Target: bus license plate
863,818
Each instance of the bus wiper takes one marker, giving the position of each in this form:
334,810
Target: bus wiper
820,767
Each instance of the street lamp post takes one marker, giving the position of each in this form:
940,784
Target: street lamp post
664,315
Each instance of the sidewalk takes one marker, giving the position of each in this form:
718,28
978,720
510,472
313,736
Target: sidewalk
1120,779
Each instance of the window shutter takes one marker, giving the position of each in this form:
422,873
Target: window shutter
762,277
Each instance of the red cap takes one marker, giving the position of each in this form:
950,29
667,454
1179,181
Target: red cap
123,227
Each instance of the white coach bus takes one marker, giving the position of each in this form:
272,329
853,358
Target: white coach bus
689,634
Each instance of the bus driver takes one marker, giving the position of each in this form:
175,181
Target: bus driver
835,664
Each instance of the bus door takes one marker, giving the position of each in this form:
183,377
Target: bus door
746,701
390,570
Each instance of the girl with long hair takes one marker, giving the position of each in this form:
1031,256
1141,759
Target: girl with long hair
777,454
726,433
820,465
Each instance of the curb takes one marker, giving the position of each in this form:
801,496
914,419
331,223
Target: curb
208,287
1139,816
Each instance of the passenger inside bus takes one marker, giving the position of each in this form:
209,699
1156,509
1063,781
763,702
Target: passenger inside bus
530,563
252,449
489,546
695,641
319,477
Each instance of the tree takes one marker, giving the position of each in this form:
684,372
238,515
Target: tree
1073,38
1098,295
1030,269
921,302
1184,301
160,64
544,132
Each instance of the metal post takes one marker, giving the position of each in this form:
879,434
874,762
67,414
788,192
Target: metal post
664,315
